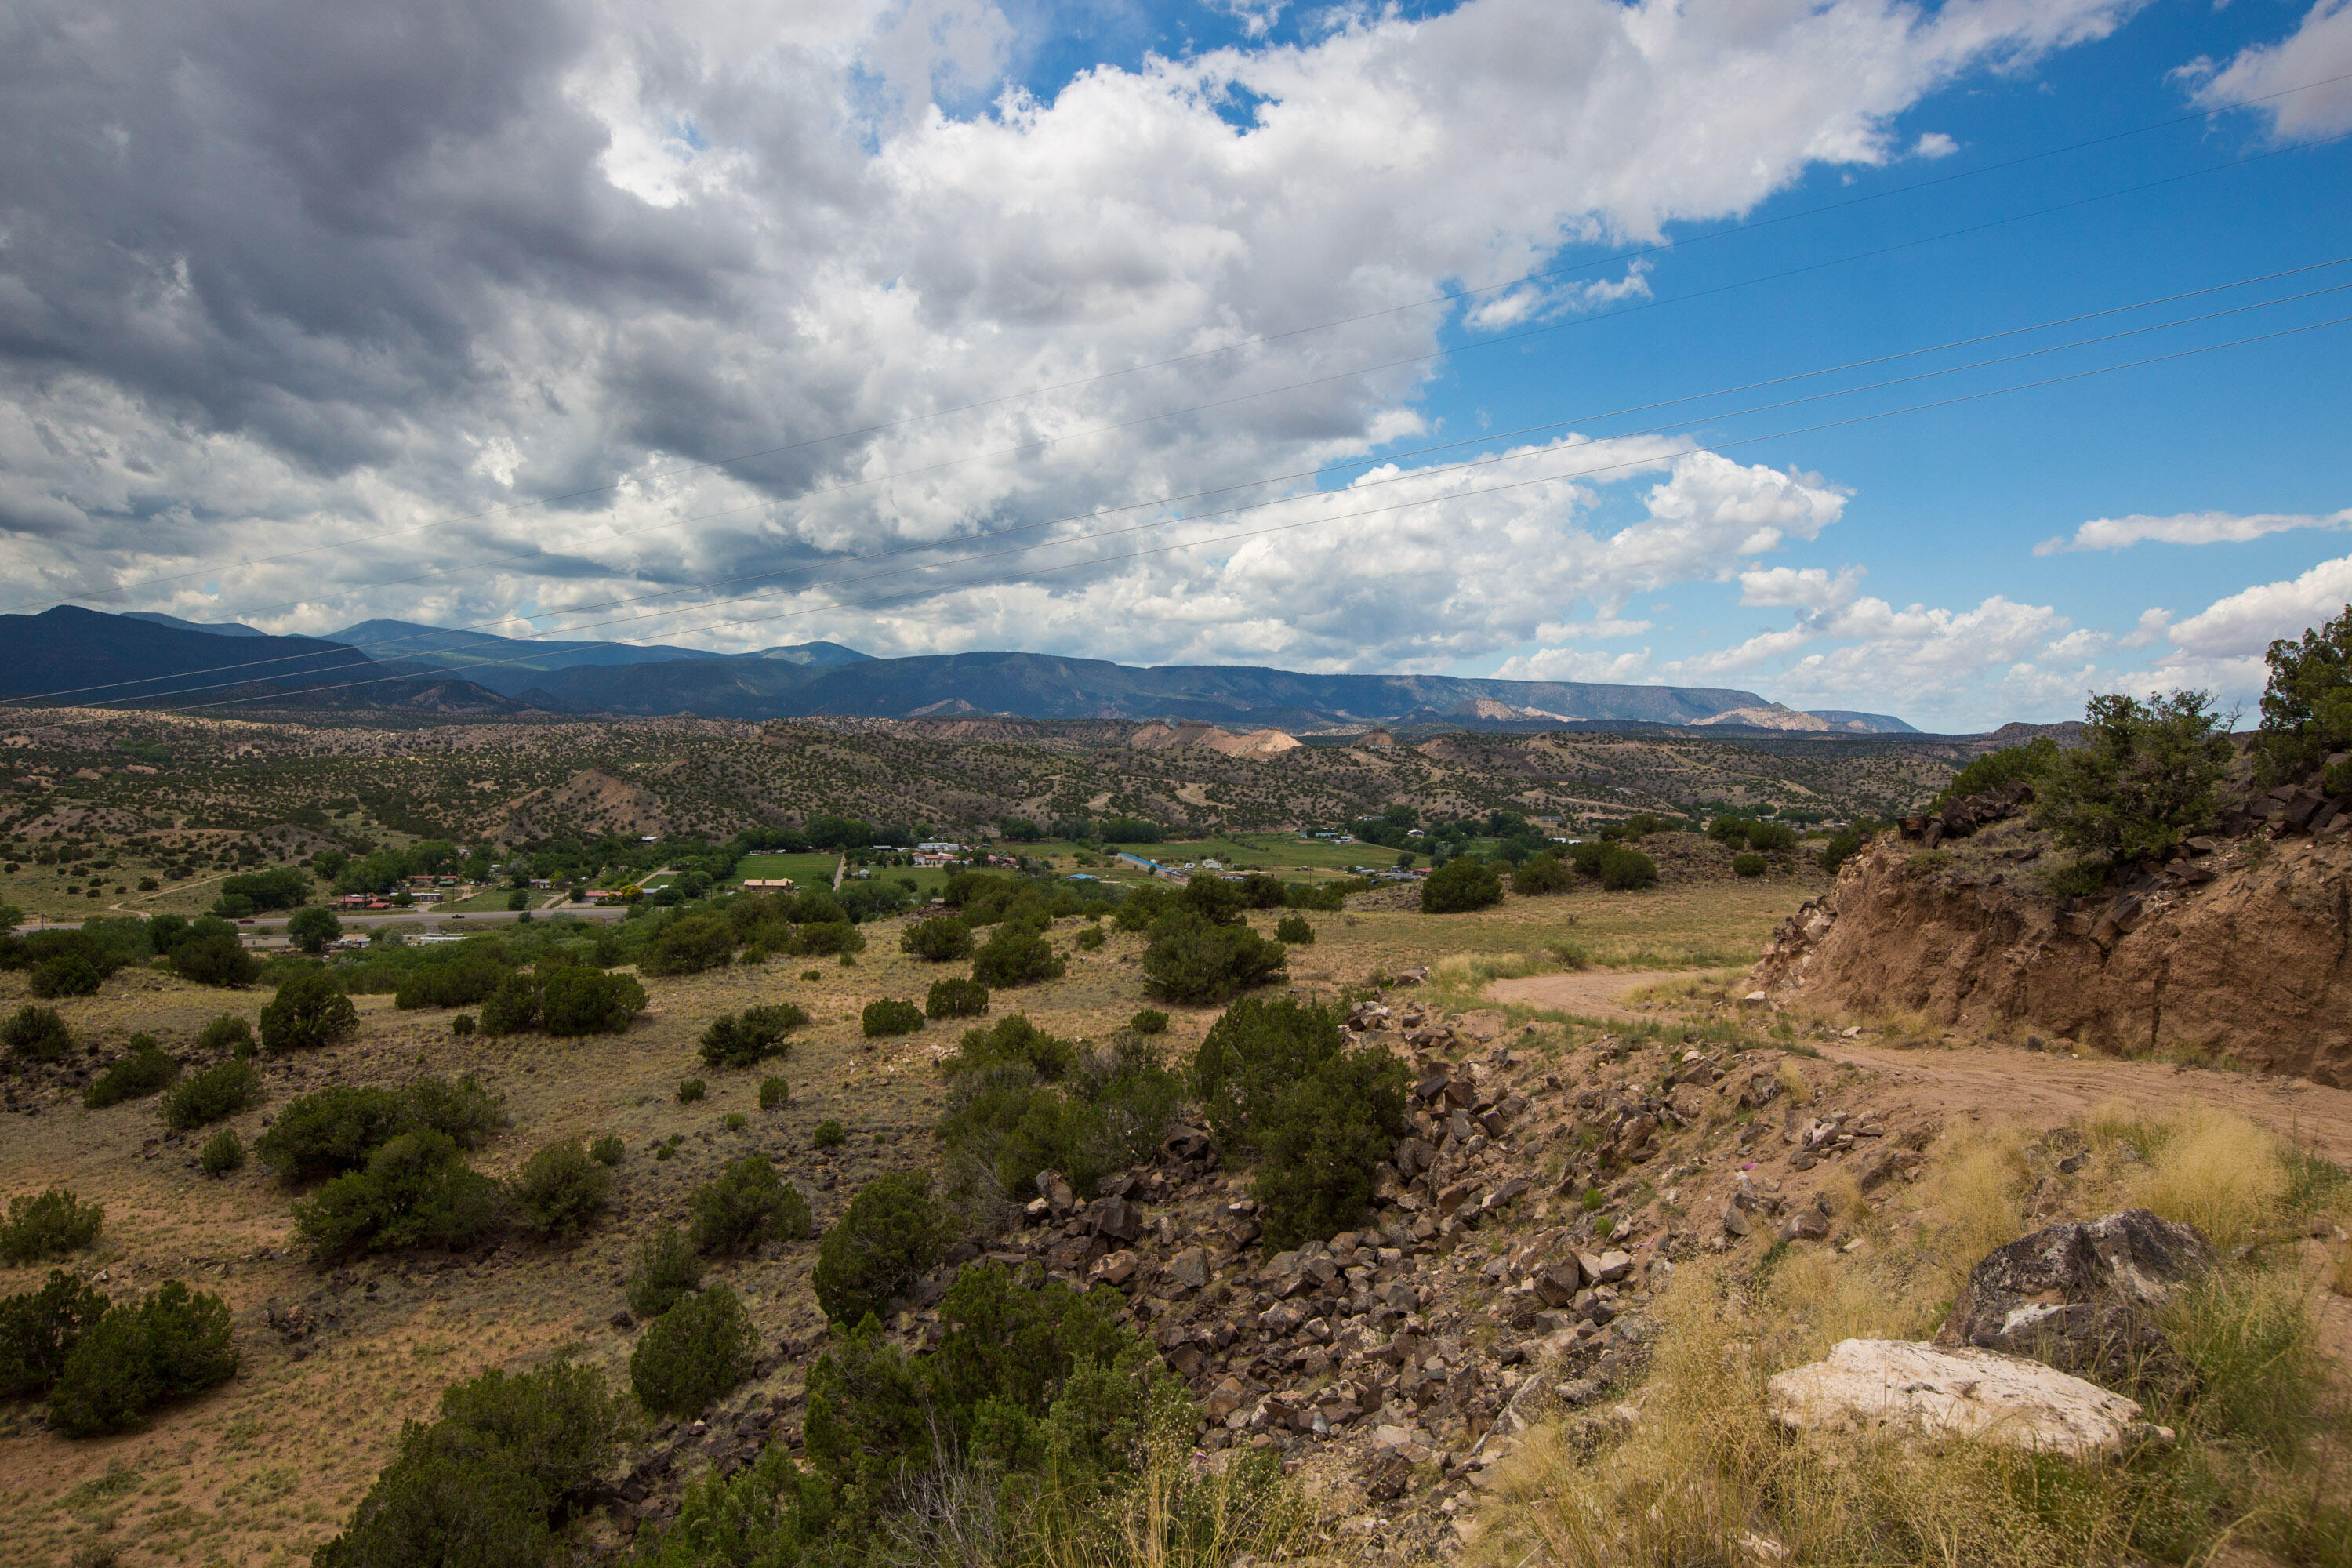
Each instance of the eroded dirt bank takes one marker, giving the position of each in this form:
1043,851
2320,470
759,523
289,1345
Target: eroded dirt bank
2240,957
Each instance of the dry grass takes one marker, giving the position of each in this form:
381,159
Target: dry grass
1703,1475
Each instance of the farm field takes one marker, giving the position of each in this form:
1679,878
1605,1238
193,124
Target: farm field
805,871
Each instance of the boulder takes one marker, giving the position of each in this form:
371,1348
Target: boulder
2081,1296
1894,1385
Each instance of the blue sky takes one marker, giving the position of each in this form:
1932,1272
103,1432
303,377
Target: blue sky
473,321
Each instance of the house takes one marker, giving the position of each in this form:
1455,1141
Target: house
766,884
926,857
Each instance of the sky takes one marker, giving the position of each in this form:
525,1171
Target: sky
1954,362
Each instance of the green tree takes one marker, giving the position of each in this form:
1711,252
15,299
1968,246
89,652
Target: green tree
1543,874
745,1204
218,959
693,1353
1460,886
668,1269
1192,961
892,1231
313,928
49,1225
890,1015
173,1343
36,1034
559,1190
309,1010
940,939
2307,704
39,1328
139,1072
1017,954
415,1191
2143,781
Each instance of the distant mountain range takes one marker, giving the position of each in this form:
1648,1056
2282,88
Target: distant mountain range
402,664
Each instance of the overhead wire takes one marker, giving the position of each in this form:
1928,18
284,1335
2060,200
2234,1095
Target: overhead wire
1444,297
451,669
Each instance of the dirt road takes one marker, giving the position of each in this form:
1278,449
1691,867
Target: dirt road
2008,1082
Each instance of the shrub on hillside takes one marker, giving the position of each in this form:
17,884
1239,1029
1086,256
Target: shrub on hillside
1276,1077
173,1343
940,939
308,1011
889,1015
1627,871
892,1232
607,1150
139,1072
1013,1038
415,1190
826,938
774,1093
39,1328
223,1151
215,1094
2029,762
1149,1021
49,1225
334,1130
956,999
38,1034
577,1000
1016,954
668,1268
742,1040
482,1484
512,1007
219,959
1845,843
829,1133
1541,874
745,1204
2307,706
66,975
1460,885
1191,960
1748,864
688,945
2143,781
559,1190
1293,930
228,1033
692,1355
461,981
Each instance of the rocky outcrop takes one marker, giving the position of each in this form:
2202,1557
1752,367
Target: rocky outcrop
1899,1388
2083,1297
2238,952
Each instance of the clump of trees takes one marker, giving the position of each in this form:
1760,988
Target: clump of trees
1275,1079
415,1190
508,1463
1021,1101
2143,781
105,1367
2307,707
214,1094
144,1069
1460,885
49,1225
558,1191
889,1015
309,1011
333,1130
563,998
1618,869
757,1034
893,1231
693,1353
747,1204
955,999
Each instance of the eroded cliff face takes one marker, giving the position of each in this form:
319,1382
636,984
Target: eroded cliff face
2242,954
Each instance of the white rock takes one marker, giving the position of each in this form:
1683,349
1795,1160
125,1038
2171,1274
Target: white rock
1869,1384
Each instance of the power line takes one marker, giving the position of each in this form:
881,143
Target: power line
1482,439
1286,527
1389,311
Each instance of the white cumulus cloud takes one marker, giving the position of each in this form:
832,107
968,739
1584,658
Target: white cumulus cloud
2188,528
2314,59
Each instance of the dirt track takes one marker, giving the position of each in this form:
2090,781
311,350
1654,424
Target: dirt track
2009,1083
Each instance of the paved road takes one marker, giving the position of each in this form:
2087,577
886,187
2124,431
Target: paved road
393,917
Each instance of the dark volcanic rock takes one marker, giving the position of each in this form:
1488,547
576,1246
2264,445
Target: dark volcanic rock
2082,1296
